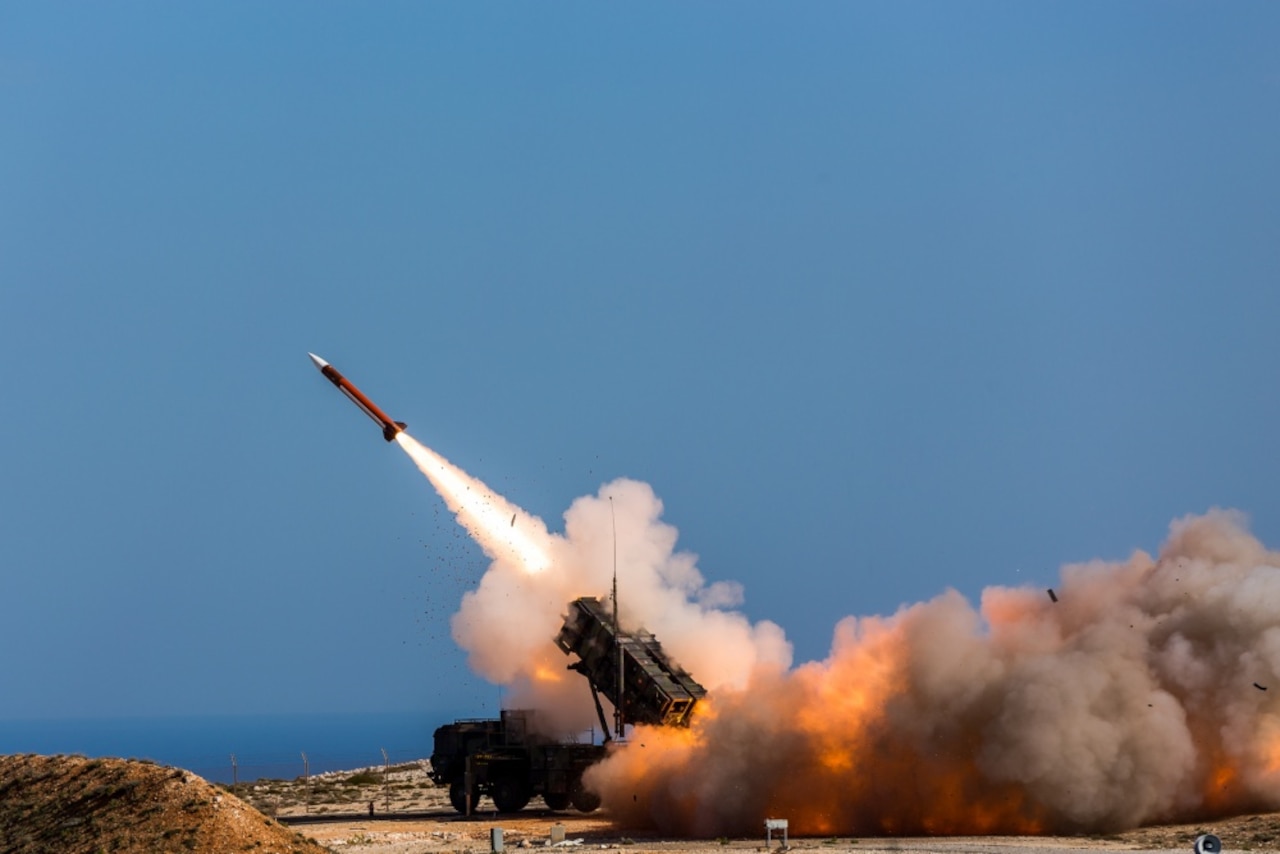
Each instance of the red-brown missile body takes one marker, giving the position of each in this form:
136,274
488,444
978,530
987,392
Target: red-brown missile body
389,428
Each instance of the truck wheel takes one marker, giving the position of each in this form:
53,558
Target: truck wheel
510,795
557,801
583,799
458,797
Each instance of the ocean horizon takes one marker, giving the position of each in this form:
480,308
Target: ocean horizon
264,746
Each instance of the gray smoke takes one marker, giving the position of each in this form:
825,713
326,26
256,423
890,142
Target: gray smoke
1137,697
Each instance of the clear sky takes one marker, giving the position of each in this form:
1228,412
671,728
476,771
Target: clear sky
881,298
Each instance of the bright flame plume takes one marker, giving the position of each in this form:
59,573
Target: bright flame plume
503,530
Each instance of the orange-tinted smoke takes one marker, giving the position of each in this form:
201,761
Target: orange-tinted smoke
1136,697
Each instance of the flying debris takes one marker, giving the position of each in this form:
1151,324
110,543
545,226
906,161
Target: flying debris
389,428
1052,595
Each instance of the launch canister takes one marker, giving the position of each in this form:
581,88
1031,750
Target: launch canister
389,428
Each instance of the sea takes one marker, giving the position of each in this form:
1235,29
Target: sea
238,748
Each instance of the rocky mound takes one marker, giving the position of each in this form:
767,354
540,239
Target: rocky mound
72,804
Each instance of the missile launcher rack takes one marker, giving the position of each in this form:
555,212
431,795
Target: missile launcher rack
655,689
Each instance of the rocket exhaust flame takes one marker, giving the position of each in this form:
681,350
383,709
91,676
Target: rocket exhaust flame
1134,695
489,518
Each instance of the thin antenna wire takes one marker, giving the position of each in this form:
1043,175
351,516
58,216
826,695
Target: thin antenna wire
617,627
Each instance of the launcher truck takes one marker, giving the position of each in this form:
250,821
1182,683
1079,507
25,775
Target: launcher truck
509,760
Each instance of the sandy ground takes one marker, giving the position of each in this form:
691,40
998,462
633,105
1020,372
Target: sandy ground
446,832
455,834
412,816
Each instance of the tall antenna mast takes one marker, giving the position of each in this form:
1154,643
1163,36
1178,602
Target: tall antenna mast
617,627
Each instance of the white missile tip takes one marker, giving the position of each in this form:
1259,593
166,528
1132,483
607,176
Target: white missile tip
320,363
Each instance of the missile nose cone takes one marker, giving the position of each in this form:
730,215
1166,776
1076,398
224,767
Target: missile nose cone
320,364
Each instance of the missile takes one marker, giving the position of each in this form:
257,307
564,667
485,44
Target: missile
389,428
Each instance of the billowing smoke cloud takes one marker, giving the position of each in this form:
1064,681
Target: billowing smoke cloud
1149,691
507,623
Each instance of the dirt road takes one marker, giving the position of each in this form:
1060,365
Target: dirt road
444,832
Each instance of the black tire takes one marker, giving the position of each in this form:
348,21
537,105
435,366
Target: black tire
583,799
558,801
458,797
510,794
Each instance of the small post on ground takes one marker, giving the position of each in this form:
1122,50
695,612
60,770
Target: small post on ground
772,824
306,778
386,790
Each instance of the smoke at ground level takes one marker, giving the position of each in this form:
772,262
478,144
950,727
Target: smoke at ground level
1146,692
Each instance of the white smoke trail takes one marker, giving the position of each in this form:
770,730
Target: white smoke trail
488,517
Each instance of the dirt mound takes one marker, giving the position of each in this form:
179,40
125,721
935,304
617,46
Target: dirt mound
72,804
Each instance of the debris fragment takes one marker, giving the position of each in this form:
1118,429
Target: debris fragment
1259,687
1052,595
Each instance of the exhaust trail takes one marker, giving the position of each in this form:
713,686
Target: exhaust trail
503,530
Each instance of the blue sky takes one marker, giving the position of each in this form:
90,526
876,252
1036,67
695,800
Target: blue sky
880,298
